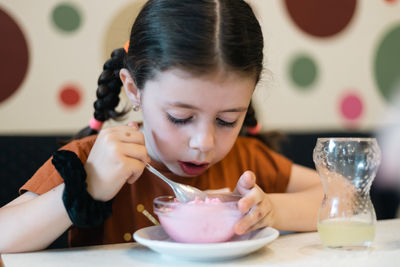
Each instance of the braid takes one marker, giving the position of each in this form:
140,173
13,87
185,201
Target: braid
108,90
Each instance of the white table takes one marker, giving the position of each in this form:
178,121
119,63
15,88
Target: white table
288,250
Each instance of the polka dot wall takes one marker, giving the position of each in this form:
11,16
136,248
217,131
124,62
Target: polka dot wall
331,65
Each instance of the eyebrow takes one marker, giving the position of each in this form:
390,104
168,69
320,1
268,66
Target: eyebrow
184,105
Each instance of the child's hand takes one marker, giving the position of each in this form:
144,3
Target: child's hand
118,156
255,204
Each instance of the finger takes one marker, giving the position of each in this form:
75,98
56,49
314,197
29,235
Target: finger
246,181
133,150
259,215
260,224
264,221
128,135
249,220
118,128
134,177
137,170
252,198
124,134
132,137
256,218
132,126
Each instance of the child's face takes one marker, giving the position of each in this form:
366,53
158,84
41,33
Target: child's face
189,122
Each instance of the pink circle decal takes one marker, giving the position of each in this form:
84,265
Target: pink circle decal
70,95
351,106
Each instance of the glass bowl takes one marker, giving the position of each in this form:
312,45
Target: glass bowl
208,221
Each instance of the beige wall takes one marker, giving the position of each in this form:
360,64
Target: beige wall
344,62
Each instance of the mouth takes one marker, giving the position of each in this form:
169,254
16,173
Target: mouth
193,168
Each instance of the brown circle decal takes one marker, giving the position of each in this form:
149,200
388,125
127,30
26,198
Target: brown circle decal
13,54
321,18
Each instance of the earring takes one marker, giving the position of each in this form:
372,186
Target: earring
136,108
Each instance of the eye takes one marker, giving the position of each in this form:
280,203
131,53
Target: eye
225,123
178,121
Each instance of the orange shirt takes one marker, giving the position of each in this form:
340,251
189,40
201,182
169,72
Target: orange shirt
272,171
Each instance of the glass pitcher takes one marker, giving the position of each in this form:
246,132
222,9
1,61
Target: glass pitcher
347,167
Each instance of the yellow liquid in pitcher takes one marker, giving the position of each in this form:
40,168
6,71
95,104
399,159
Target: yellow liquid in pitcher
346,233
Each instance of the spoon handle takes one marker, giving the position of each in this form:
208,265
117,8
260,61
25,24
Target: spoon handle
184,193
159,174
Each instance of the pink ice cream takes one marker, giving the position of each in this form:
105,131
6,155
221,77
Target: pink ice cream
198,221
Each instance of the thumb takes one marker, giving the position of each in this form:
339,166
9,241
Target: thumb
246,182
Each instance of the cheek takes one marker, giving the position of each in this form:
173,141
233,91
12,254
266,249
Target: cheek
164,138
224,143
155,124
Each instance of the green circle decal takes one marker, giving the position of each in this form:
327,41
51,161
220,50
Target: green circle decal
387,63
303,71
66,17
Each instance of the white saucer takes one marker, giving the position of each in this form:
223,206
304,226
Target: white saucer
156,239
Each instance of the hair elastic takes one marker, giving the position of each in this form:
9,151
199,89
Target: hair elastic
255,129
95,124
82,209
126,47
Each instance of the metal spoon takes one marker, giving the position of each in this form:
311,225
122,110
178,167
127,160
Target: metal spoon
184,193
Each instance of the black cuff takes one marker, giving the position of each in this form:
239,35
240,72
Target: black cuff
82,209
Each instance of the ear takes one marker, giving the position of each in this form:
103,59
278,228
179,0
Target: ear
130,87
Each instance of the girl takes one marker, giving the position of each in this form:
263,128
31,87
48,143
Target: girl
191,67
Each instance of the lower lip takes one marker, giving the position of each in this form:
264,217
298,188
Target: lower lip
190,169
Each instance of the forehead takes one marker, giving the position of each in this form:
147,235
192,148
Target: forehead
223,88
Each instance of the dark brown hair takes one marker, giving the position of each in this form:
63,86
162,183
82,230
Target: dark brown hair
198,36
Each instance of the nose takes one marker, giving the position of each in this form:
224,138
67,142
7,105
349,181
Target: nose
203,139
